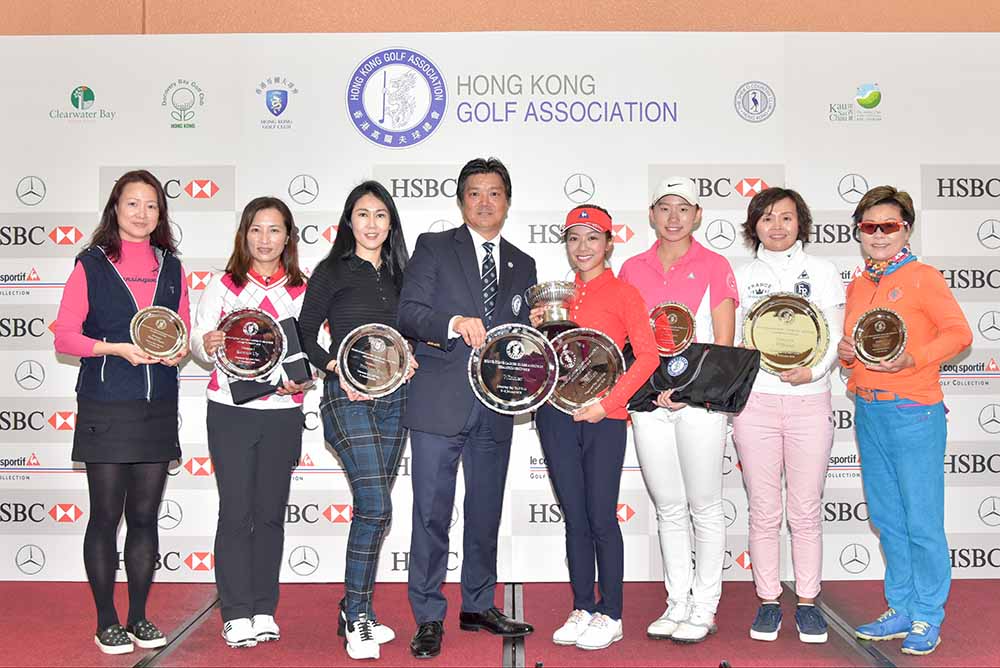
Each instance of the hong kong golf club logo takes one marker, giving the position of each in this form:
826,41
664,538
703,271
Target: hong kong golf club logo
397,98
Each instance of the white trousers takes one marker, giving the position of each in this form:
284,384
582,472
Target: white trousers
680,453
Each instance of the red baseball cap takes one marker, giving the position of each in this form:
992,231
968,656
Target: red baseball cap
590,217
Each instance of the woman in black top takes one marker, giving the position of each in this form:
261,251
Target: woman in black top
358,283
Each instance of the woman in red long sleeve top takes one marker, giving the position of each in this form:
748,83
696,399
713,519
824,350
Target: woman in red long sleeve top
585,451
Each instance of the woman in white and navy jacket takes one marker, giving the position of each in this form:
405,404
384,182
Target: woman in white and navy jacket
253,446
787,424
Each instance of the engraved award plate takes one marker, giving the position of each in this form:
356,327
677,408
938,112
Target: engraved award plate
555,296
515,370
589,366
673,328
788,330
373,359
253,346
158,332
879,336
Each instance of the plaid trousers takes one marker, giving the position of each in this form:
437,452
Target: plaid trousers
368,438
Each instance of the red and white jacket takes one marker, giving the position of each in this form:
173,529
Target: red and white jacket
222,296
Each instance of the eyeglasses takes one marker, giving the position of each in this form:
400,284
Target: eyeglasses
886,226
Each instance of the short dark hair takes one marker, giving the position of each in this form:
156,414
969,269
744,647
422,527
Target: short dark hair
886,195
763,201
489,165
106,236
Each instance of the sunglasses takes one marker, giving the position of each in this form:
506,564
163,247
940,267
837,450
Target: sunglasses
886,226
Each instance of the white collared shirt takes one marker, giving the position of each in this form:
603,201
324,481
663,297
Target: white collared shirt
477,241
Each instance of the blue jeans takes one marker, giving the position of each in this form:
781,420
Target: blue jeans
902,446
368,437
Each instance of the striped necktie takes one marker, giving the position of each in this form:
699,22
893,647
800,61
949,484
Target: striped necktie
489,281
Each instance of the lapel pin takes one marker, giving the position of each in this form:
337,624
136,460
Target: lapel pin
510,265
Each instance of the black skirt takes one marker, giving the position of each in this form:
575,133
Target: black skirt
126,432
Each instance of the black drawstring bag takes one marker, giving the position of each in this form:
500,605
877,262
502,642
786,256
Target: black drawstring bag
718,378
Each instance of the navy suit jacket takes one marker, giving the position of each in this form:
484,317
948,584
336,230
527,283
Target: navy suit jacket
443,280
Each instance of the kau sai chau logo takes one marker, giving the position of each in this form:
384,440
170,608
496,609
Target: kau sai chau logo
276,92
867,98
396,98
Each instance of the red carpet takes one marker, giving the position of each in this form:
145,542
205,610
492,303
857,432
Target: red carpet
968,637
547,605
307,615
53,623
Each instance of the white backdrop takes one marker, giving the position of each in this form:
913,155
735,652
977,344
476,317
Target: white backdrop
576,117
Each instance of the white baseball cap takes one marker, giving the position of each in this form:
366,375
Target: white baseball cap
681,186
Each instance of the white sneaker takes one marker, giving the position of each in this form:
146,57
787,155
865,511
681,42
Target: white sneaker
360,641
575,625
239,633
600,632
698,626
266,628
664,627
383,633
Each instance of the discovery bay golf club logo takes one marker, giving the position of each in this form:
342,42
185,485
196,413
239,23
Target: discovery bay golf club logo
396,98
867,98
184,98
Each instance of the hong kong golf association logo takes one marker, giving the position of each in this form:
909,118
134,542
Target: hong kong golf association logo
397,98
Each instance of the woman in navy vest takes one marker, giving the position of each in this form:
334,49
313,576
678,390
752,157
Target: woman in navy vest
126,427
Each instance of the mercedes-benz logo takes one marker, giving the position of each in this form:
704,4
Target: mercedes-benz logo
303,560
30,190
454,516
852,188
441,226
30,559
727,560
29,375
729,512
989,234
579,188
989,419
170,514
855,558
989,325
303,189
720,234
177,231
989,511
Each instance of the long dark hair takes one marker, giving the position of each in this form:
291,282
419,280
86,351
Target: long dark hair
394,253
241,260
106,236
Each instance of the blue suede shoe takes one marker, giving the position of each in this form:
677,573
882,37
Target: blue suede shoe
767,623
810,623
922,639
888,626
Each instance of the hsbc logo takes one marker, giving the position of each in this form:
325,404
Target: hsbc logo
199,466
314,234
842,419
194,189
726,186
842,511
189,188
19,328
625,512
423,188
63,420
548,513
743,560
975,557
751,187
339,513
622,233
401,562
65,235
18,235
65,513
198,280
200,561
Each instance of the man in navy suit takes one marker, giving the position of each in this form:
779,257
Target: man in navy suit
458,284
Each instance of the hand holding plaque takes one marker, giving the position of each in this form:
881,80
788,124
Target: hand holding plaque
373,360
879,336
515,371
589,366
158,332
254,344
789,331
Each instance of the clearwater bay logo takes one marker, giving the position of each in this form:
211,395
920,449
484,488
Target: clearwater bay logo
867,98
396,98
276,92
755,101
82,99
184,98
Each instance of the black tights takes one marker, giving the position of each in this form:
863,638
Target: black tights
138,488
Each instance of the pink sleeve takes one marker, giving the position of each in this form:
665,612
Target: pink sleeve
184,306
73,311
723,283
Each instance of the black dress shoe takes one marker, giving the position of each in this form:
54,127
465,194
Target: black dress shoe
426,641
495,622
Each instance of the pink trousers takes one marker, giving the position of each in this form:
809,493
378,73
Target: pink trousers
794,434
